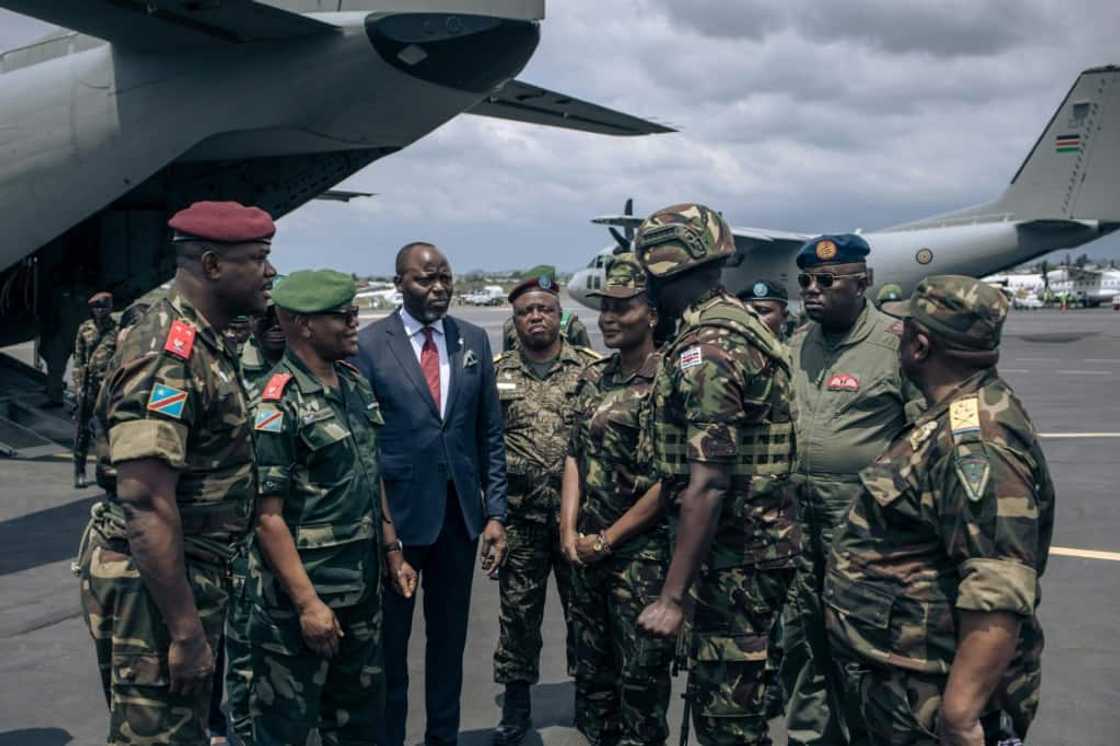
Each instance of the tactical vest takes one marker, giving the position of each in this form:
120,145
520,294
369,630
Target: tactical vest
766,449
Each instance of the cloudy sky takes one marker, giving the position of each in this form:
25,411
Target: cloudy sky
803,115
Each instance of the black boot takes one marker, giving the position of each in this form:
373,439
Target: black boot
516,716
80,474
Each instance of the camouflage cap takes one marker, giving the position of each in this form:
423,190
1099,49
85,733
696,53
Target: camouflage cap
888,292
764,290
625,278
838,248
962,310
680,237
314,291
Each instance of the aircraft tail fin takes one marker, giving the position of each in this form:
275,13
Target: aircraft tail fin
1073,170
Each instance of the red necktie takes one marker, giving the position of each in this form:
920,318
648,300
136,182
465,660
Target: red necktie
429,363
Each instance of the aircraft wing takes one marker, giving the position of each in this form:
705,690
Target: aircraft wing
158,25
342,195
522,102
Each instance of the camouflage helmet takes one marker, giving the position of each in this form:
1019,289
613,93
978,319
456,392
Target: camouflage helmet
960,310
625,278
888,292
678,238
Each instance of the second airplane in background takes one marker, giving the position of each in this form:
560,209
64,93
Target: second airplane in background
1066,193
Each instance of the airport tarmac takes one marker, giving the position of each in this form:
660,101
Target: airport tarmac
1064,366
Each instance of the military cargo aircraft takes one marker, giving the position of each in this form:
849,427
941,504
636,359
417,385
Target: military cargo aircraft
138,107
1066,193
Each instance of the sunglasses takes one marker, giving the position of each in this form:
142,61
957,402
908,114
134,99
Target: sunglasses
825,280
350,315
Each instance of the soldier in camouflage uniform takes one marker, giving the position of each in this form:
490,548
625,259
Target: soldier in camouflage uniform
314,620
265,345
851,400
536,384
154,569
613,528
93,349
933,579
722,434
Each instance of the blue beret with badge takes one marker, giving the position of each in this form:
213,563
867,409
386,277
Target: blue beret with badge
837,248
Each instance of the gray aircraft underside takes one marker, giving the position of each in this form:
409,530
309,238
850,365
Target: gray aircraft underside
148,105
1066,193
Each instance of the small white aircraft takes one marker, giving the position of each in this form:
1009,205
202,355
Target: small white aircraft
1066,193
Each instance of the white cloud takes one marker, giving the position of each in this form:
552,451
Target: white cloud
799,114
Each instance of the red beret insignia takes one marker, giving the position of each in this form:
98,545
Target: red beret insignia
224,222
843,382
180,339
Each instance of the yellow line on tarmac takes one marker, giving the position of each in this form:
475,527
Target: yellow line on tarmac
1079,435
1085,553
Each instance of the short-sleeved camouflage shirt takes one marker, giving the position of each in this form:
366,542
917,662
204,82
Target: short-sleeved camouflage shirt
175,393
722,395
957,513
537,417
609,411
317,451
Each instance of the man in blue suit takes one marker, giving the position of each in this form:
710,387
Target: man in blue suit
444,466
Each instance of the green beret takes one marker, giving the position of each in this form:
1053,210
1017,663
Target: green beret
314,291
765,290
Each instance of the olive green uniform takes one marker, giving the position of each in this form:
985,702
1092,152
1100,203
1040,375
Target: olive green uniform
537,412
173,394
317,451
850,402
723,396
622,673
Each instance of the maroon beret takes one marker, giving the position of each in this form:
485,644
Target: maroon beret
225,222
541,282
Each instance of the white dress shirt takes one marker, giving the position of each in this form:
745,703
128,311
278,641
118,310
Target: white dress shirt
415,331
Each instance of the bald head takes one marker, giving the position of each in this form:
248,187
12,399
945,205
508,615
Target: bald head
425,281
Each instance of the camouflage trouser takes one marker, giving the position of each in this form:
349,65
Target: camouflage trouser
622,675
534,551
83,413
132,641
734,609
902,708
239,667
814,711
294,691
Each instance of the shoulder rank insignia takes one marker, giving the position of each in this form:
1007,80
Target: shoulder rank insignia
269,420
347,364
691,357
964,417
180,339
167,401
921,433
843,382
274,389
973,471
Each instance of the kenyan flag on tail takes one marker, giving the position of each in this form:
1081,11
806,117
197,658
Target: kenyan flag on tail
1068,143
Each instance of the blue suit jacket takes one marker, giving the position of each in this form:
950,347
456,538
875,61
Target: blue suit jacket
420,453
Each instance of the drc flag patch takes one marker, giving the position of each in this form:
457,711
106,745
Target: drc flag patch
269,420
167,400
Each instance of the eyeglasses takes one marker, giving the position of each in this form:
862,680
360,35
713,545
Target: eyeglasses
825,280
350,315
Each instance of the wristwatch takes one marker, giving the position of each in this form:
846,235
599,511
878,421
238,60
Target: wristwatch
601,545
393,546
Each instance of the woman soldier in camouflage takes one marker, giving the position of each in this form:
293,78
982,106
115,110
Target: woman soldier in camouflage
613,530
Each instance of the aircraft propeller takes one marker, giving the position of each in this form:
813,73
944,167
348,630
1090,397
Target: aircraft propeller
625,239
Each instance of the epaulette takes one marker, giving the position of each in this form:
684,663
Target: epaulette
502,355
274,389
353,368
180,339
587,352
964,418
